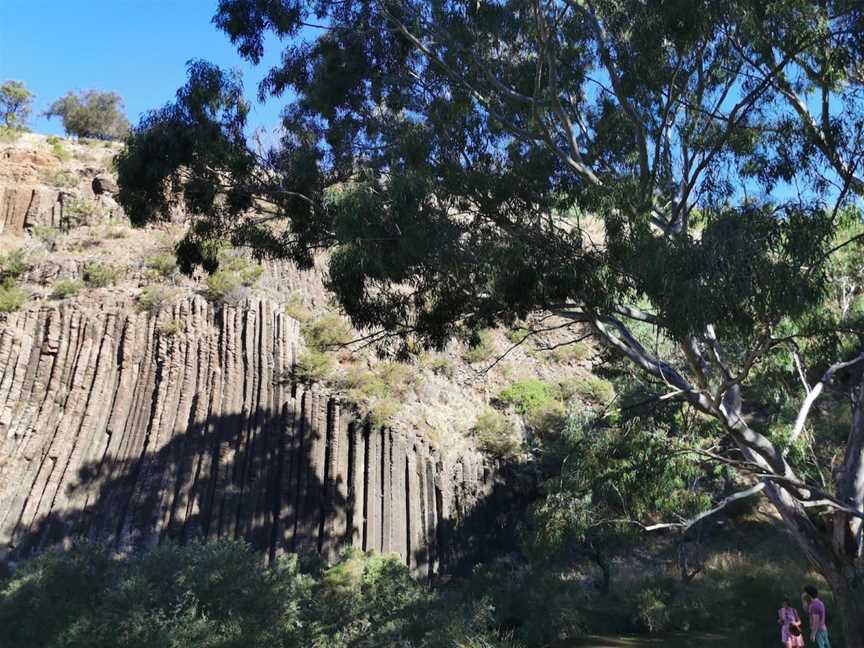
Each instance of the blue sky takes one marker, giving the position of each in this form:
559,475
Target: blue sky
137,48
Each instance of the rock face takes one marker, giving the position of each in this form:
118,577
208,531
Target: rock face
24,206
129,428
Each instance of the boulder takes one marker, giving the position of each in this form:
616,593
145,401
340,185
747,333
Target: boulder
104,185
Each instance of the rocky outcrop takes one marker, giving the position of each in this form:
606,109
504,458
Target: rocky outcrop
39,189
129,428
24,206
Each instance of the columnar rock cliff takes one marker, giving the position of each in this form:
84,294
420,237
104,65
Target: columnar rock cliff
129,428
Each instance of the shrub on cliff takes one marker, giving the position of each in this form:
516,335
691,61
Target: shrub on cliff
11,297
154,298
100,275
66,288
92,113
481,348
235,273
496,434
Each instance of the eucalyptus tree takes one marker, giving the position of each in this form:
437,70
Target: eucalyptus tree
612,166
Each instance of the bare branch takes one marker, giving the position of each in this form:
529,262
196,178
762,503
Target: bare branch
686,524
811,397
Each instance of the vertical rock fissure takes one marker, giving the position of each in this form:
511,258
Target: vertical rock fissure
408,546
324,503
366,475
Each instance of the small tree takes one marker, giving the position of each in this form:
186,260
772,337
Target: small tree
91,113
16,104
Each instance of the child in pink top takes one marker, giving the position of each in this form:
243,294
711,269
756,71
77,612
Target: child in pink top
788,618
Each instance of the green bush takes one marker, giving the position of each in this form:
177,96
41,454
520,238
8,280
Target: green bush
13,264
313,366
199,595
11,297
169,327
382,412
443,366
47,234
235,273
10,134
591,389
496,434
529,396
100,275
59,152
652,611
326,332
62,178
518,335
154,298
362,385
570,353
296,309
163,264
481,348
66,288
223,286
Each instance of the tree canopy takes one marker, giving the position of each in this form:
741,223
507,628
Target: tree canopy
91,113
16,104
682,168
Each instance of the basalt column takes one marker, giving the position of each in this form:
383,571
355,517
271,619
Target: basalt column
132,429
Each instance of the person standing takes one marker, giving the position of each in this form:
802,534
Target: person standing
790,626
818,618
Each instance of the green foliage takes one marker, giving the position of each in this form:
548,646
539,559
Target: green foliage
465,209
529,396
314,366
66,288
101,275
443,366
169,327
164,264
382,412
91,113
47,234
62,178
518,335
326,332
571,353
590,389
605,477
10,134
60,152
538,402
78,209
11,297
198,595
234,274
13,264
295,308
377,392
16,104
496,434
154,298
481,348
